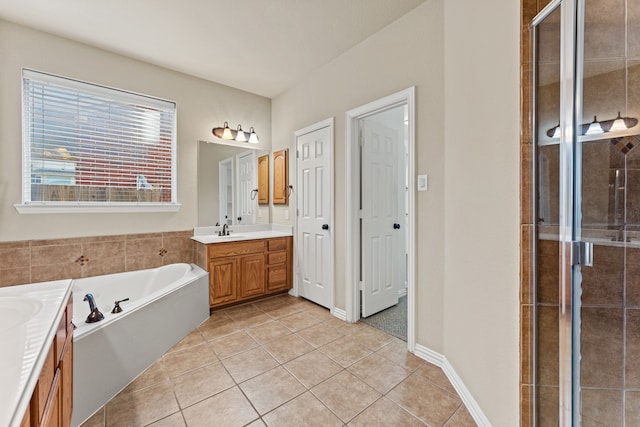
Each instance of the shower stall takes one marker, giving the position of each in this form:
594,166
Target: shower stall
586,206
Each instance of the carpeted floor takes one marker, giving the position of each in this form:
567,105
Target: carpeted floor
393,320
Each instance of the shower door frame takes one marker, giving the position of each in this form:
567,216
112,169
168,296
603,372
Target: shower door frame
571,36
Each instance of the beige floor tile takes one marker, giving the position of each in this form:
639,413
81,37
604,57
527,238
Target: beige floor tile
283,310
96,420
298,321
319,334
462,418
217,329
175,420
346,351
271,389
287,348
267,303
345,328
268,332
397,352
436,376
319,312
182,361
305,410
229,409
345,395
425,400
313,368
385,413
371,338
253,319
232,344
154,374
141,407
241,311
201,383
380,373
257,423
249,364
193,339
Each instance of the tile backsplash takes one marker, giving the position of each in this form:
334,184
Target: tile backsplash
33,261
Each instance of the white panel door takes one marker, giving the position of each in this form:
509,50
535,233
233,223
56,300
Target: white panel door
314,222
247,182
381,243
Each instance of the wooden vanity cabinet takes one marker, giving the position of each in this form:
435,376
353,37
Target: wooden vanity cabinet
249,269
52,399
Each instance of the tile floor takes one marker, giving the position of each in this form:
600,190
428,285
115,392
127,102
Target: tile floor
285,361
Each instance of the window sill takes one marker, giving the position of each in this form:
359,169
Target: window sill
40,208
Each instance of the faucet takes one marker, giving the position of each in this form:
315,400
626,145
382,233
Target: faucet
224,231
95,315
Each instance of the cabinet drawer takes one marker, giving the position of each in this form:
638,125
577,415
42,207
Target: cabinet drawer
277,258
277,244
277,273
235,248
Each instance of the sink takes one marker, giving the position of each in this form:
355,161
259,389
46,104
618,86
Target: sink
212,238
15,311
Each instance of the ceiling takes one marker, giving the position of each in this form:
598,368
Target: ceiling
261,46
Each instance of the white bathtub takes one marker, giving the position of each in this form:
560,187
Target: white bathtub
165,304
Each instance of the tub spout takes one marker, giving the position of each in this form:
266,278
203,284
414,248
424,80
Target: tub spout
95,315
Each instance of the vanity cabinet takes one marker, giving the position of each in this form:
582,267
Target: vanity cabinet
52,399
245,270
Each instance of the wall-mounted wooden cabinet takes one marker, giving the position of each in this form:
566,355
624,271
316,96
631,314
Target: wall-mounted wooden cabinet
263,179
280,177
250,269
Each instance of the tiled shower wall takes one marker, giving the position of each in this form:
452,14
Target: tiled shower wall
32,261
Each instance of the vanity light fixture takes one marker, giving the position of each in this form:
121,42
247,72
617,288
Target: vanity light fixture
253,138
239,135
596,127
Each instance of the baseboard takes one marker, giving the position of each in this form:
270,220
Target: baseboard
441,361
340,314
402,292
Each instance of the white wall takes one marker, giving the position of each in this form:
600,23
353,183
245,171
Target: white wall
482,122
463,59
202,105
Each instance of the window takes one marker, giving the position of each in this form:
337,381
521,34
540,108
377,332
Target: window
92,148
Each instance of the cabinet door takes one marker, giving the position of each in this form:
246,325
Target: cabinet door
252,276
66,386
51,414
277,277
222,280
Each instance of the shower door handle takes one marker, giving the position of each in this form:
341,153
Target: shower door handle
583,254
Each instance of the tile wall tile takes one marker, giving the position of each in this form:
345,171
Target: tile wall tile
547,406
632,278
601,407
632,408
604,282
632,349
602,350
547,350
603,39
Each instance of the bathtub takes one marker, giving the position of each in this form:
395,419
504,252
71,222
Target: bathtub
165,304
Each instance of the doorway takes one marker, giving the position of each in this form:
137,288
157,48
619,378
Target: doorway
380,267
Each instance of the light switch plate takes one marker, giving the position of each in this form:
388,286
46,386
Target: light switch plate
423,182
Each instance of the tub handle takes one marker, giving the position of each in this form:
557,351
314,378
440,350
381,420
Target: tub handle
117,308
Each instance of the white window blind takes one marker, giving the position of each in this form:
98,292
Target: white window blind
85,144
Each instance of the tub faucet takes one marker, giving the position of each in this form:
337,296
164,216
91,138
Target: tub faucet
95,315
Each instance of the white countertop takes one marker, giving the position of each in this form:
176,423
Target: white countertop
239,236
29,317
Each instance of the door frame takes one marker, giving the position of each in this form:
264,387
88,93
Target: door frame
312,128
406,96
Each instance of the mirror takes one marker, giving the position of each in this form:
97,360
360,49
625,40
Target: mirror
227,178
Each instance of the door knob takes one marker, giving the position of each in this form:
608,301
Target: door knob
396,226
325,226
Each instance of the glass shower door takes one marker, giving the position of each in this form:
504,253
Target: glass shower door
587,242
608,197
